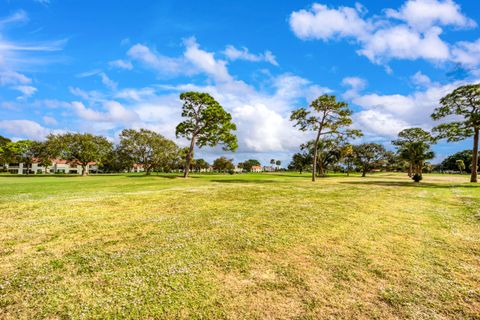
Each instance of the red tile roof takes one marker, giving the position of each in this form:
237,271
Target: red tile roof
63,161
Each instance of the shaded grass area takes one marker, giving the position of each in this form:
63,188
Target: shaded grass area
243,246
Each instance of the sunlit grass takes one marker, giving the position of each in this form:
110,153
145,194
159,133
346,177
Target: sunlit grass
241,246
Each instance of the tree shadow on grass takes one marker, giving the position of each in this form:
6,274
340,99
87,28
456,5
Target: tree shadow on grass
304,176
408,184
163,176
242,181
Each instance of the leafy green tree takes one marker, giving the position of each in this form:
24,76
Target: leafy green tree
300,162
328,150
417,154
278,163
460,165
391,161
201,164
206,124
223,164
117,161
22,152
44,152
327,117
4,141
4,153
81,148
148,148
428,166
413,145
248,164
368,156
465,103
450,162
181,163
348,157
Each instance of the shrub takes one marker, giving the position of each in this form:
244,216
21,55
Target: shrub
417,177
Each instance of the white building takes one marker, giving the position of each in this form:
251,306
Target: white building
269,168
257,169
237,169
138,167
57,166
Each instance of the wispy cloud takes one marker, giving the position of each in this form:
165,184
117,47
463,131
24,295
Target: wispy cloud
232,53
17,17
19,54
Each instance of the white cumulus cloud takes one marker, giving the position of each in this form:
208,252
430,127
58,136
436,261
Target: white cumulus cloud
412,32
24,129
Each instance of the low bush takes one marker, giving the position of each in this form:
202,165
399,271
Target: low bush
417,177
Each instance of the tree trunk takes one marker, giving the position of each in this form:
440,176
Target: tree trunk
410,170
315,158
189,158
321,169
364,172
84,170
473,177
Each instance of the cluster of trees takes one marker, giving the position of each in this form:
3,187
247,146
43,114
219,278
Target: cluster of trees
146,147
206,123
24,151
330,120
335,153
248,164
459,161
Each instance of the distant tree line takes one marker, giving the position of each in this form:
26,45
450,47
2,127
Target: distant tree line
338,155
206,123
330,121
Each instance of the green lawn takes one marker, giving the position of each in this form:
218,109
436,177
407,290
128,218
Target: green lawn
252,246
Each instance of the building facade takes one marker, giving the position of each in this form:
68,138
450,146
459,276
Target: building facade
58,166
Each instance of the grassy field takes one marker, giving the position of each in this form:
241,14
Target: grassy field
253,246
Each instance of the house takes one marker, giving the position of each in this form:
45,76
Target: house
65,166
138,167
257,169
57,166
269,168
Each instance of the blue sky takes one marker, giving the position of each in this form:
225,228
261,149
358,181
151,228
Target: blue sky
101,66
